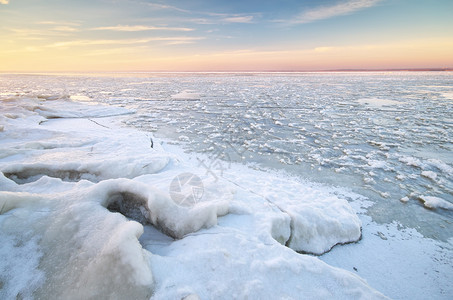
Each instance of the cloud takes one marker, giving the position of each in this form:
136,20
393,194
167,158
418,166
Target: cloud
61,23
215,18
239,19
326,12
4,1
40,33
65,29
129,28
209,17
164,6
169,40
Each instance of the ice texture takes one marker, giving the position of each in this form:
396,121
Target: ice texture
85,212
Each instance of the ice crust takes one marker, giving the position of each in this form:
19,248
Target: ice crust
77,191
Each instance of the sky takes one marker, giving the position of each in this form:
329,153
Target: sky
233,35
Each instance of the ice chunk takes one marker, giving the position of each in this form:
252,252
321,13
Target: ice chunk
429,174
404,199
318,220
187,94
411,161
318,226
436,202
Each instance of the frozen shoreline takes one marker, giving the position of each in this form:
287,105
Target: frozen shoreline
231,244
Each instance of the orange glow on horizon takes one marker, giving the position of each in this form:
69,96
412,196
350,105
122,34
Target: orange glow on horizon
436,53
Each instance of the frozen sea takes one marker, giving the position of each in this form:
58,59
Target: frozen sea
387,136
382,141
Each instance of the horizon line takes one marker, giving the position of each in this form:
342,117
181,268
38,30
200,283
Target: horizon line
447,69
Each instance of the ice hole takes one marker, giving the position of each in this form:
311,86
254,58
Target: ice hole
135,207
33,174
131,205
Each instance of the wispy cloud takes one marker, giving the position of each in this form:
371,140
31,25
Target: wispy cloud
326,12
4,1
238,19
65,28
164,6
209,17
213,18
39,33
59,23
168,40
129,28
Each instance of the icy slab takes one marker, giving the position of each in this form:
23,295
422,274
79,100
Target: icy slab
56,147
317,219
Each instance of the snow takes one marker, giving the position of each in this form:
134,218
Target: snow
19,272
245,267
395,259
79,191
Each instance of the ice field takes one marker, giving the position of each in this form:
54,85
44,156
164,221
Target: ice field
226,185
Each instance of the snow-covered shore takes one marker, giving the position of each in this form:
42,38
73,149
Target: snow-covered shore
73,183
86,211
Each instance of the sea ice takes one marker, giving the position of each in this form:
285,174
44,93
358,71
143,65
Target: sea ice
74,191
309,125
